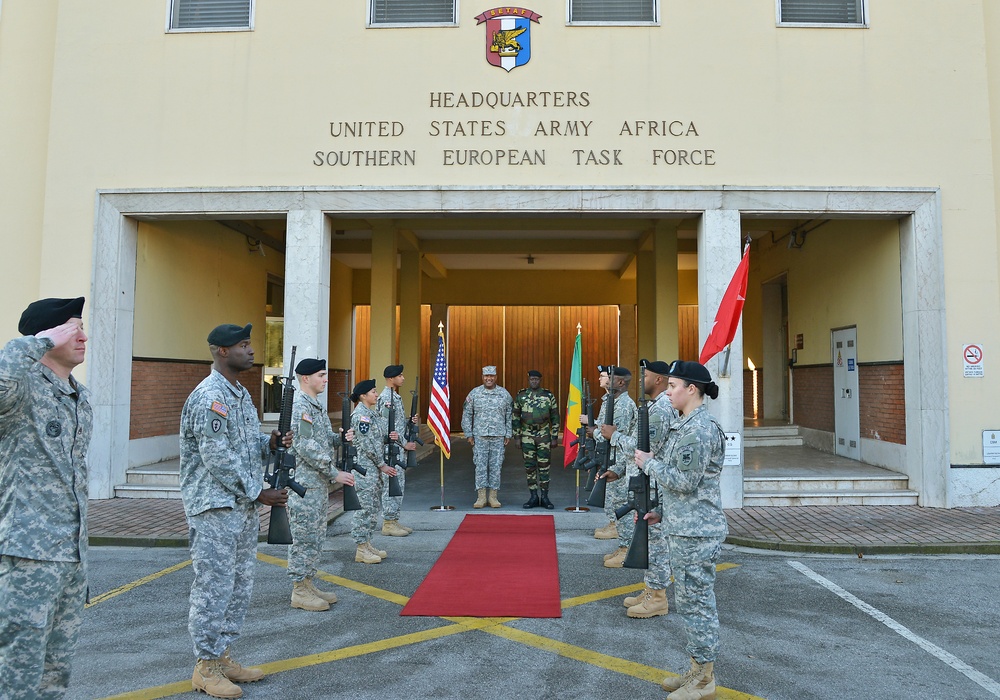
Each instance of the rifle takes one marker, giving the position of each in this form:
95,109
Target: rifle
412,433
585,453
605,452
641,500
281,471
346,460
391,452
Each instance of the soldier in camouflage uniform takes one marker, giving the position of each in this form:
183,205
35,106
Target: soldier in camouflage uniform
370,430
695,524
621,438
486,421
222,479
45,428
314,448
391,504
535,426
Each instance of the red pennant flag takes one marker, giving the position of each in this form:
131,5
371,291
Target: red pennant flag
730,310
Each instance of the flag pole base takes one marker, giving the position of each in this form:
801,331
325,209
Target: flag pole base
577,509
442,508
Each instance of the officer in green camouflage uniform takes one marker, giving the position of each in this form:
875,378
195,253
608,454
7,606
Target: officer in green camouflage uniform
314,447
486,418
695,524
222,478
535,426
391,504
621,437
45,429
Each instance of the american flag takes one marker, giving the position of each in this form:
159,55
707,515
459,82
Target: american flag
439,415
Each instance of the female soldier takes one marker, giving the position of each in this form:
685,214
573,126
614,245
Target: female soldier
688,475
370,429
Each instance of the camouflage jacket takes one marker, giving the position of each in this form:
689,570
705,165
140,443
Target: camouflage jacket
314,443
487,413
535,411
389,394
370,432
222,448
688,474
626,423
45,429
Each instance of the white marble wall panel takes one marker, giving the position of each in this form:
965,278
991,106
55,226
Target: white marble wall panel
153,450
974,487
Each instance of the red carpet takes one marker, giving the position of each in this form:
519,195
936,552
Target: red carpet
494,566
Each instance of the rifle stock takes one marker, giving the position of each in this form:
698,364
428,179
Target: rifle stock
605,452
641,498
392,452
281,474
346,461
412,430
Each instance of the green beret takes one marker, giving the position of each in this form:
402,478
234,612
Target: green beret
228,334
310,365
44,314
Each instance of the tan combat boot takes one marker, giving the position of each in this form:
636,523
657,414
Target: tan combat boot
405,527
380,553
391,528
701,675
618,559
363,555
236,672
492,498
652,605
328,596
208,678
608,532
633,599
481,501
304,599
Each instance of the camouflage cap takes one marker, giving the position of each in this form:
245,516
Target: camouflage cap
490,369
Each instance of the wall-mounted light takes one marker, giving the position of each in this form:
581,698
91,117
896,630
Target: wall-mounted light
753,371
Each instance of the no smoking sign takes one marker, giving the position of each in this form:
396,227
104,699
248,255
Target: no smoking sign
972,357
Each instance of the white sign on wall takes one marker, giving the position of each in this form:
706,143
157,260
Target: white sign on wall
733,443
991,447
972,358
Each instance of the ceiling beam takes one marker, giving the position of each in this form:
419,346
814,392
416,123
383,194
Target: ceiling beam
432,267
251,231
526,245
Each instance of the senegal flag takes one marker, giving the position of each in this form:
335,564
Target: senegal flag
574,403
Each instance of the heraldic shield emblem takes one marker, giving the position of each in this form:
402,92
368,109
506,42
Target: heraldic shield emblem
508,36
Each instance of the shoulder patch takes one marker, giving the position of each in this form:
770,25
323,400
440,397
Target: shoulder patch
220,408
307,418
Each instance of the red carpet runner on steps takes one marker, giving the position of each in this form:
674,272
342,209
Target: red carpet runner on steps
494,566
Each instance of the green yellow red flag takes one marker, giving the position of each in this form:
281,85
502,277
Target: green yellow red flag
574,402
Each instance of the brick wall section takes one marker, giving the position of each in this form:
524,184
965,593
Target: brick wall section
160,388
812,396
883,402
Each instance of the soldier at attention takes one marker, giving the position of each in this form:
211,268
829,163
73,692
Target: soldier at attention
535,425
391,505
486,420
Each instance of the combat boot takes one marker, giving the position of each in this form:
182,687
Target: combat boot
673,683
533,502
700,686
405,527
363,555
492,498
608,532
546,503
236,672
635,599
304,599
380,553
481,501
614,554
392,528
328,596
617,559
651,605
208,678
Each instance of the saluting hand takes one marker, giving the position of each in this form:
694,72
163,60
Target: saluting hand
61,334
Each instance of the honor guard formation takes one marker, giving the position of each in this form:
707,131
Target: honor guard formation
655,469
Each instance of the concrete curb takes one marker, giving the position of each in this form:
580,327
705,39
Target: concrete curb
989,547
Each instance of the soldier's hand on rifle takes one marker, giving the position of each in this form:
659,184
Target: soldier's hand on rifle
273,497
641,458
607,430
387,470
584,420
349,435
393,436
653,517
609,476
472,440
590,431
286,441
415,419
345,478
410,446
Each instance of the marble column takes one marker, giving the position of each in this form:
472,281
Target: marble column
646,313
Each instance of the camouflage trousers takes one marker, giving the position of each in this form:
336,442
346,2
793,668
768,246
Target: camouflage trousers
223,555
616,496
692,560
487,455
536,447
392,504
42,611
658,574
307,522
369,488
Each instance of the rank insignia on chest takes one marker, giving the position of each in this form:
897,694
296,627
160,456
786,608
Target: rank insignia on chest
220,408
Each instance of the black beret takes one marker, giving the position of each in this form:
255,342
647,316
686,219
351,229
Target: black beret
690,371
619,371
656,366
362,388
48,313
229,334
534,373
310,365
392,371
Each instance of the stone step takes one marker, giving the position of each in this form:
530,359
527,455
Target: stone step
150,475
771,431
802,484
773,441
147,491
895,497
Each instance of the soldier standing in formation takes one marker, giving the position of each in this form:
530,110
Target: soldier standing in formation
391,504
620,436
370,429
315,469
535,426
222,475
45,429
486,420
695,524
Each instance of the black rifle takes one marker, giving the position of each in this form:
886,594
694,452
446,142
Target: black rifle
412,429
585,452
605,451
348,452
280,473
641,499
391,452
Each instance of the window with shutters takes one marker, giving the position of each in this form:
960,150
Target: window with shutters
852,13
211,15
382,13
613,11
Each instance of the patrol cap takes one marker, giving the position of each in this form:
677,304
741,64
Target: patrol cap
362,388
619,371
490,369
534,373
690,371
48,313
656,366
392,371
228,334
310,365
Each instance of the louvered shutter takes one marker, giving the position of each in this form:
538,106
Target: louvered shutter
412,11
612,11
201,14
822,11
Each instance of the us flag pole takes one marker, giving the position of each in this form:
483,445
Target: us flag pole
439,413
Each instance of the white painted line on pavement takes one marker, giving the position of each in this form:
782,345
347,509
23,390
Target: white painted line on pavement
934,650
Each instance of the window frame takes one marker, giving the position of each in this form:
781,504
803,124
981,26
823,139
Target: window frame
370,24
655,22
189,30
863,24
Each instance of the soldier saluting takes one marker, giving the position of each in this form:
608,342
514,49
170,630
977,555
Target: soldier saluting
535,425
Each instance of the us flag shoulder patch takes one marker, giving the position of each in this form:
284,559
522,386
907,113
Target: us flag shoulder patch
220,408
307,418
